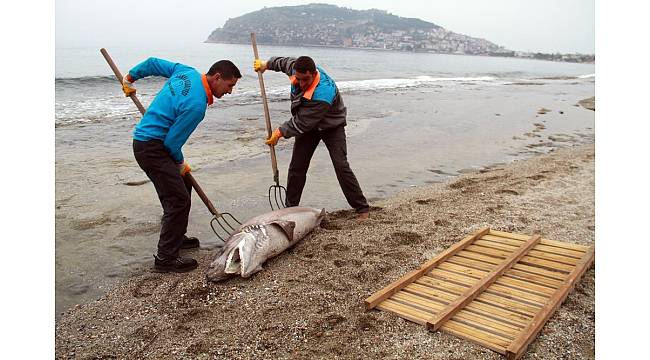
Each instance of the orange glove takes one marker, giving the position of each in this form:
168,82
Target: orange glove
273,140
184,168
259,65
127,85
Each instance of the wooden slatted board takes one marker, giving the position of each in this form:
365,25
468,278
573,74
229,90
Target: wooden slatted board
494,288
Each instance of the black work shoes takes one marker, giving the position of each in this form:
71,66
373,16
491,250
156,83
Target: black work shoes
190,242
178,264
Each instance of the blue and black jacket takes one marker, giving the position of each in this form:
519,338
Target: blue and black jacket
177,109
319,107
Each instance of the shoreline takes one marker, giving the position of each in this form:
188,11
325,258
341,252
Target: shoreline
403,51
308,301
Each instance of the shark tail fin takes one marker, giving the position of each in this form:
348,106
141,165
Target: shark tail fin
322,217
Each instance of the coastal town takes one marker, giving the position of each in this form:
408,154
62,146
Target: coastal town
331,26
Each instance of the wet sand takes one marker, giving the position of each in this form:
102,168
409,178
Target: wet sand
308,302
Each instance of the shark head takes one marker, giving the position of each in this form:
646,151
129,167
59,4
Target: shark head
239,255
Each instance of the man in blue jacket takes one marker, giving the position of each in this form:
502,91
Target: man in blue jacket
159,136
317,113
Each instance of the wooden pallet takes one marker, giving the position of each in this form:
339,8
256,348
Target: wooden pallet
495,288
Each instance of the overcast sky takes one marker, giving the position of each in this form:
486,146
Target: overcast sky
525,25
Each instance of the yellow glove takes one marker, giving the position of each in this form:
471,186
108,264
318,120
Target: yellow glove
259,65
273,140
127,85
184,168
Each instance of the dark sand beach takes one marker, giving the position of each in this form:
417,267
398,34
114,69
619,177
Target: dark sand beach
308,302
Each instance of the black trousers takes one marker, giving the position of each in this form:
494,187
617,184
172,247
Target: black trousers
303,150
174,193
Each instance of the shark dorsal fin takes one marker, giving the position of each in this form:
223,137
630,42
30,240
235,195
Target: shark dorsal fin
287,227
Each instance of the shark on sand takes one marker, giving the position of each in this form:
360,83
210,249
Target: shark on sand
262,238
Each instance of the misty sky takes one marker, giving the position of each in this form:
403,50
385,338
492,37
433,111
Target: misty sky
525,25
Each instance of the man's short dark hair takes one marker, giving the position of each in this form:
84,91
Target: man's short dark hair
226,68
304,64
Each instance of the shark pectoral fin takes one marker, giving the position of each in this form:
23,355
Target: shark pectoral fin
286,226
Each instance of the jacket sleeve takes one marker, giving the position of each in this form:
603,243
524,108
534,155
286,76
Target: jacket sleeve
284,64
180,131
306,118
154,67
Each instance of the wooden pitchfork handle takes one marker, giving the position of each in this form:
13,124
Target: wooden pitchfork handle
267,117
137,103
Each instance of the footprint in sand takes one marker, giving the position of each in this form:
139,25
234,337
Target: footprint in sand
334,319
367,323
335,247
507,191
404,238
537,177
424,201
87,224
146,287
342,263
141,228
136,183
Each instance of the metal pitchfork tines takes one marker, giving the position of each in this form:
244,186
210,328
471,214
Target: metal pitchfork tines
222,219
279,192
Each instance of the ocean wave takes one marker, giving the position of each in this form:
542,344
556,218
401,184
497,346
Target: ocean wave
587,76
83,100
383,84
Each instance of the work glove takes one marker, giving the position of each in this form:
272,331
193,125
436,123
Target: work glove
184,168
259,65
127,85
273,140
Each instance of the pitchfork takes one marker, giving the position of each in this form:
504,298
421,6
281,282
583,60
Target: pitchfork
220,218
279,191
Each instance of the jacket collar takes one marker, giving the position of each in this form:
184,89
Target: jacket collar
208,91
310,91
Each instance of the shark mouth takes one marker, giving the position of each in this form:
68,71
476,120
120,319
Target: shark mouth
234,262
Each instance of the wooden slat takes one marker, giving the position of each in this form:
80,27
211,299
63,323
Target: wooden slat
525,285
431,306
442,297
480,257
489,251
517,347
513,305
504,243
507,315
502,240
436,321
491,325
486,339
555,243
495,245
453,277
471,263
527,260
540,271
503,280
524,296
554,257
563,245
447,266
404,311
560,251
512,293
396,286
533,278
448,286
